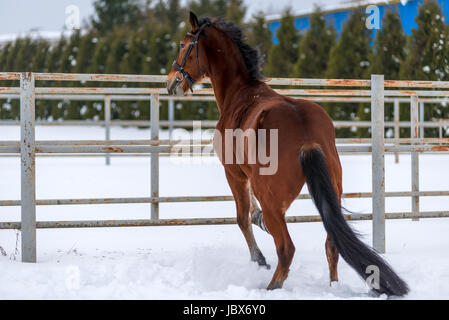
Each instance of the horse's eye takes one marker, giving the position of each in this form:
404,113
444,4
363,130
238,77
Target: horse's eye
182,45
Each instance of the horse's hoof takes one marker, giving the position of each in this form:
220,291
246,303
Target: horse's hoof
275,285
334,284
265,265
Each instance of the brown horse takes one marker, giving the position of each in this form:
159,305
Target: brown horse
306,151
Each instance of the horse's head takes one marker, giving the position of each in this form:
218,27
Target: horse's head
190,66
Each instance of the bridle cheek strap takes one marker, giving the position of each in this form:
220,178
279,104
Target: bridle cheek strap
180,68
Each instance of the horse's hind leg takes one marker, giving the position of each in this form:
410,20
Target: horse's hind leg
241,192
332,259
331,250
275,222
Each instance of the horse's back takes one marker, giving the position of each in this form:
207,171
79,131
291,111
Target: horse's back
301,124
298,121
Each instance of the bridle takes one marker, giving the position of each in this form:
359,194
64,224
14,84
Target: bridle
180,68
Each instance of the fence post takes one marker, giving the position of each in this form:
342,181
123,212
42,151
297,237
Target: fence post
107,124
421,119
155,156
28,166
378,161
171,116
415,155
396,128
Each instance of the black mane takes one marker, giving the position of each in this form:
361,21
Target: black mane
251,56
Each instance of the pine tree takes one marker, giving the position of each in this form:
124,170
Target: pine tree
389,47
235,11
39,65
168,13
389,52
259,34
12,54
115,14
349,59
283,56
314,48
349,56
212,8
131,64
21,63
4,105
70,110
68,57
84,59
100,55
53,64
117,51
428,55
54,56
4,55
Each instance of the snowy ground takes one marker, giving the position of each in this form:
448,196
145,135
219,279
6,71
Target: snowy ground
200,262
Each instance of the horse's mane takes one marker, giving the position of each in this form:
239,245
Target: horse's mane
251,56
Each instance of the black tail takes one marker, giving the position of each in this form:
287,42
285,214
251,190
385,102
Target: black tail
356,253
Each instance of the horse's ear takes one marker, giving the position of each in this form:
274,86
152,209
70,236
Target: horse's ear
194,21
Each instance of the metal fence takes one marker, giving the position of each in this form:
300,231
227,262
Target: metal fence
371,90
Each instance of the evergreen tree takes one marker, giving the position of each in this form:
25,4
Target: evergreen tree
54,56
70,110
4,55
84,60
235,11
283,56
4,105
110,14
131,64
389,48
212,8
314,48
168,13
100,55
22,62
389,52
68,57
12,54
53,64
349,59
39,65
119,48
349,56
428,55
259,34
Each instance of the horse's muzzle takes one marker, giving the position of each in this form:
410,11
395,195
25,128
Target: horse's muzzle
174,87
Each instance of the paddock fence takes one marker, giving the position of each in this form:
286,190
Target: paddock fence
376,90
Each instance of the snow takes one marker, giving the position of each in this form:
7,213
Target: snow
200,262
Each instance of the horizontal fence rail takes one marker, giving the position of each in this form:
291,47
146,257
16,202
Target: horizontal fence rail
375,91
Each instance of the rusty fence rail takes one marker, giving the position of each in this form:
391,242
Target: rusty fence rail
414,92
171,123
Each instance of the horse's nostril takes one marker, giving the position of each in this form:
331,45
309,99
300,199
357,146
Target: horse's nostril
169,89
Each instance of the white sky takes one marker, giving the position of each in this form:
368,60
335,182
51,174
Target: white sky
21,16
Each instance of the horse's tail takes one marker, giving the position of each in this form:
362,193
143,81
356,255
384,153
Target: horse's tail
356,253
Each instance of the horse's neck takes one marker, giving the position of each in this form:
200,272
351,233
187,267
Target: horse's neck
226,89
